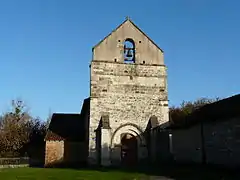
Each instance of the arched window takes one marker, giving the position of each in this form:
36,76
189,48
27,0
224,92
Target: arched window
129,51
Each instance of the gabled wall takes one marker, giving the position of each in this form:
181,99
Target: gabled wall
111,48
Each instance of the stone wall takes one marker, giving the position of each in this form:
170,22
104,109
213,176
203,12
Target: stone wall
222,142
64,152
218,145
17,162
160,147
14,166
179,145
126,93
54,152
75,152
186,144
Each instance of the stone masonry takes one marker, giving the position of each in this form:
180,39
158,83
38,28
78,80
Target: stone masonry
129,94
54,152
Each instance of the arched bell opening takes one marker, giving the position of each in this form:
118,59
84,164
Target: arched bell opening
129,51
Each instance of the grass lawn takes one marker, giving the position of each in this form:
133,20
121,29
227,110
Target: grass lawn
148,173
65,174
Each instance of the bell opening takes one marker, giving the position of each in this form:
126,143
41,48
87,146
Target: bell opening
129,51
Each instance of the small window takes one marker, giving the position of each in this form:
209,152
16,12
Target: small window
129,51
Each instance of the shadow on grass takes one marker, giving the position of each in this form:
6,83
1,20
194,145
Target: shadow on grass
171,171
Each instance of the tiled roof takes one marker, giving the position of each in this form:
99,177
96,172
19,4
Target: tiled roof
66,126
217,111
51,136
225,108
70,127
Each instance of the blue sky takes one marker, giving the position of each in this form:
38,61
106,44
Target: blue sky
45,47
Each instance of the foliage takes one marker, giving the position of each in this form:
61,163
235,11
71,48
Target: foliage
178,114
14,129
18,130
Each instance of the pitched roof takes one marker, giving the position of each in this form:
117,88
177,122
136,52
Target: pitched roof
129,20
66,127
218,111
51,136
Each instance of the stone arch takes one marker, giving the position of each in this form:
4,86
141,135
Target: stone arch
129,128
129,149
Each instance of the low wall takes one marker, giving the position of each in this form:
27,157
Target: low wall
14,162
176,145
222,142
216,142
186,145
160,147
14,166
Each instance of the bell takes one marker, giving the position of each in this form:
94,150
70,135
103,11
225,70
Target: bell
129,54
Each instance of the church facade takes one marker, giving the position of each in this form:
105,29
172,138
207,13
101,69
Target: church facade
128,97
128,91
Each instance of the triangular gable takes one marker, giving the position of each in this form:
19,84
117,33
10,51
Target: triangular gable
128,20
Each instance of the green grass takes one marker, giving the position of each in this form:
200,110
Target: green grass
65,174
147,173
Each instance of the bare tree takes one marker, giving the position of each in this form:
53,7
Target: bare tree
15,128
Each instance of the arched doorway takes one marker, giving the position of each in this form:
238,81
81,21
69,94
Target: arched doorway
129,149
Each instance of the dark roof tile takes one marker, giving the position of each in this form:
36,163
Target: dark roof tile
66,126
